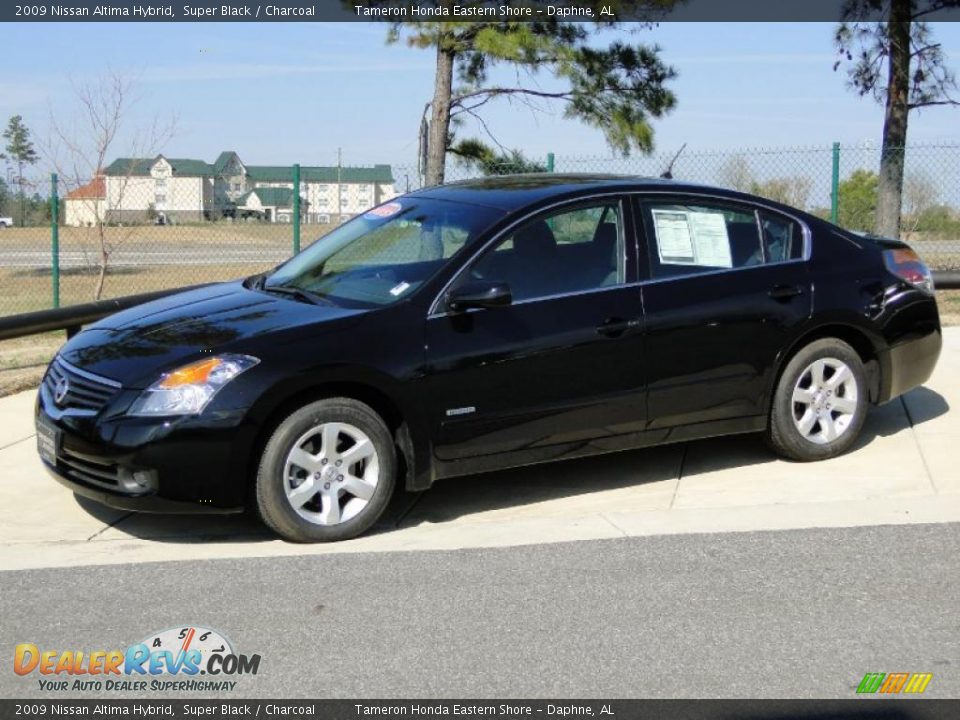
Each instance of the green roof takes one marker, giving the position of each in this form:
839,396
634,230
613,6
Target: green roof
186,167
183,167
382,174
223,160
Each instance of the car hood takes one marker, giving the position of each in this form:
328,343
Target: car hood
135,345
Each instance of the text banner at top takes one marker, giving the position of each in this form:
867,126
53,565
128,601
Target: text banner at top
453,11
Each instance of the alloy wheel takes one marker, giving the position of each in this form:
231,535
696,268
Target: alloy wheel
331,473
824,400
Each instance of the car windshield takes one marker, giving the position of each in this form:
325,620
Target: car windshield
383,255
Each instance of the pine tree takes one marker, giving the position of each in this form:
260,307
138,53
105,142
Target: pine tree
20,152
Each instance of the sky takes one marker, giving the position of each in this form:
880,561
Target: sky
285,93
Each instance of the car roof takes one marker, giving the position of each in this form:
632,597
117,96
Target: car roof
512,192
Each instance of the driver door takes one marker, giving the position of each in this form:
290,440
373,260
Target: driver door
562,365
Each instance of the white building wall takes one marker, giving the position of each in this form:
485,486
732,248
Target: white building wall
83,213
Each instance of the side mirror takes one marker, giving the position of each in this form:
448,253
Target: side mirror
478,295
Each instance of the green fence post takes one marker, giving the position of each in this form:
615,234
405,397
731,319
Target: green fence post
835,186
296,208
550,160
54,239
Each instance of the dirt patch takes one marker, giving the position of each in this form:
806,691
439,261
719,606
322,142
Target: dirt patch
23,360
949,303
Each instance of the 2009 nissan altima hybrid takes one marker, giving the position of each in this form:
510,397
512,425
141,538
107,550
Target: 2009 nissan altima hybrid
484,325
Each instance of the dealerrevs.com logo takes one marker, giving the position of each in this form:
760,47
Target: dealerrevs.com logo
169,660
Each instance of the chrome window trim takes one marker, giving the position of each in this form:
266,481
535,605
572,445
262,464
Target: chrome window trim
88,375
434,311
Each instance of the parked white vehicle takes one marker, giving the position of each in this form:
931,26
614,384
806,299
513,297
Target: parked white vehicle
6,222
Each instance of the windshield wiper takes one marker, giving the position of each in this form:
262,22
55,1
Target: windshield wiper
299,293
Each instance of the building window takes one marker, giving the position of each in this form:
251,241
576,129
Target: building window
161,183
343,202
160,199
364,188
236,187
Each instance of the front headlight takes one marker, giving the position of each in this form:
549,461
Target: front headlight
188,389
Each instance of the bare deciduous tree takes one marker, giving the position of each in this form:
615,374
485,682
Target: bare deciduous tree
82,148
736,173
919,195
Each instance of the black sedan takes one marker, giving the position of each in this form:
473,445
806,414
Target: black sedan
484,325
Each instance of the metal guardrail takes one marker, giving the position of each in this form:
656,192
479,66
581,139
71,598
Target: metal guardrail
73,317
946,280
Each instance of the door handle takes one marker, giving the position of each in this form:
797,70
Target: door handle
615,327
785,292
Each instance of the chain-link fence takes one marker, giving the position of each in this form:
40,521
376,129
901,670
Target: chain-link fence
835,182
140,228
137,229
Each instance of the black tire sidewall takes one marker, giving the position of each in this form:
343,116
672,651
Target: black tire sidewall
783,434
272,503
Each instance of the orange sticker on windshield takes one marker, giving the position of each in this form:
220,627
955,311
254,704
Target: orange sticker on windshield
385,210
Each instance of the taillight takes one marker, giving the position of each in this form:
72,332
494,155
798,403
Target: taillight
907,265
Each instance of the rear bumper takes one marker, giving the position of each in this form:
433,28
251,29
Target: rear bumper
909,364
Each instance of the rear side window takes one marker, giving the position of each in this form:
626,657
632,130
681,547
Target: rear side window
689,238
782,238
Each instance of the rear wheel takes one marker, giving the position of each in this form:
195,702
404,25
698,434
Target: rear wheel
327,472
820,402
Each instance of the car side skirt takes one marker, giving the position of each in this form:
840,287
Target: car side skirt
535,455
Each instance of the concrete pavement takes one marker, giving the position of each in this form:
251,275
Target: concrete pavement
902,471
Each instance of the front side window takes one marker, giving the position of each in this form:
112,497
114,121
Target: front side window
385,254
569,251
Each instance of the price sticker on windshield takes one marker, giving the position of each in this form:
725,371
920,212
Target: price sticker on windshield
385,210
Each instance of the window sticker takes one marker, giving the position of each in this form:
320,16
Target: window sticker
710,239
674,240
400,289
686,237
385,210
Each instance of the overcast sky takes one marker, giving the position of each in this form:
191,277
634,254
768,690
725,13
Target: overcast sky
280,93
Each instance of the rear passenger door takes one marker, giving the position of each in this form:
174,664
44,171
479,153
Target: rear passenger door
727,285
562,364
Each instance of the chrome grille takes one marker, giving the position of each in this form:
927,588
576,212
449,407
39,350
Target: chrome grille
84,391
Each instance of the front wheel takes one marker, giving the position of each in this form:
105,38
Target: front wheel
820,402
327,472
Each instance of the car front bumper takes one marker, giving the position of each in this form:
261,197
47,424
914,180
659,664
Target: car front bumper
183,465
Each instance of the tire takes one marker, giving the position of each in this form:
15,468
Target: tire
815,420
304,495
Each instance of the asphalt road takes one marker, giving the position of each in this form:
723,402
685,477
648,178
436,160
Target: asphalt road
768,614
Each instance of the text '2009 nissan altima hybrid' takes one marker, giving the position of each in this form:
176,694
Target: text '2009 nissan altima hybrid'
485,325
